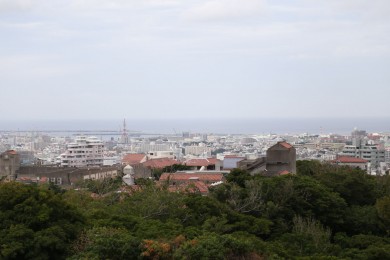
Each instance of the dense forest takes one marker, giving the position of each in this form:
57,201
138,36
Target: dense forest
322,212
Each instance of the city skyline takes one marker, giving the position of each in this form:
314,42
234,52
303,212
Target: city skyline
158,59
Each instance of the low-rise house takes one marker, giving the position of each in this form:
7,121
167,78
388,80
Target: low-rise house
206,163
134,159
197,180
351,161
160,163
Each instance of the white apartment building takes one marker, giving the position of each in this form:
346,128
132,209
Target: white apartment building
84,152
366,152
160,154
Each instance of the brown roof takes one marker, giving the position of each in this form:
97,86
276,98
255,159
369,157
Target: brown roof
11,152
211,177
190,187
160,163
133,159
201,162
349,159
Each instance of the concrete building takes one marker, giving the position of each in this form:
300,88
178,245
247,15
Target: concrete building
281,158
150,147
387,155
9,164
84,152
367,152
160,154
63,176
253,166
230,161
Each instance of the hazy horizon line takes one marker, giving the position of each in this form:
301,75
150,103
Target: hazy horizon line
206,125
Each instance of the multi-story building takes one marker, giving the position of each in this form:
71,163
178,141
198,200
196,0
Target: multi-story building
84,152
150,147
367,152
387,155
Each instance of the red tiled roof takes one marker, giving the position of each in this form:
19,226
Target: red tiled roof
11,152
211,177
349,159
190,187
201,162
285,145
285,172
26,178
160,163
133,159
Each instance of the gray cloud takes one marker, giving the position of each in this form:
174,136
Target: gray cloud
204,57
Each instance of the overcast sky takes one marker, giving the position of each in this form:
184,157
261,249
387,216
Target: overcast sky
104,59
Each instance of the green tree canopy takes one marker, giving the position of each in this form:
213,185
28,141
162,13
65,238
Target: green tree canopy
35,223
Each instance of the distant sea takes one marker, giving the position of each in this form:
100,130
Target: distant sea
220,126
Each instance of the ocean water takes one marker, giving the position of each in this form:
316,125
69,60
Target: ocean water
221,126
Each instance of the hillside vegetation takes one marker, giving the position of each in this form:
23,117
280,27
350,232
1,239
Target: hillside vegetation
323,212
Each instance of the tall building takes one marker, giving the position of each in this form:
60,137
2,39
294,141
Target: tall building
125,135
84,152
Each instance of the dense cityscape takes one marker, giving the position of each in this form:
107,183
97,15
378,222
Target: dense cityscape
368,151
126,195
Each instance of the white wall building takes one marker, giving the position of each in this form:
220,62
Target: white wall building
150,147
366,152
160,154
84,152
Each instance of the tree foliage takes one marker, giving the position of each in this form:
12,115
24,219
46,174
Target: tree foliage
35,223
